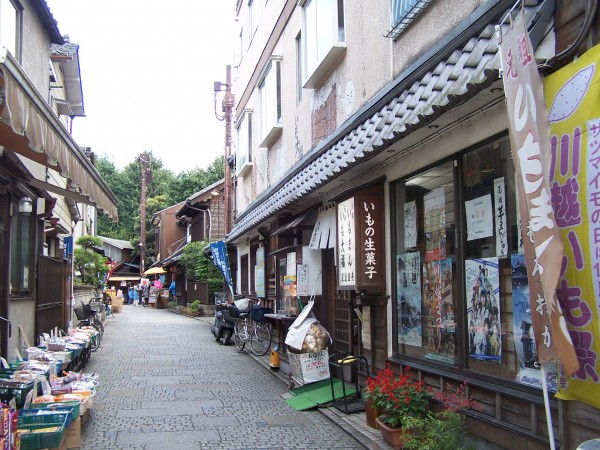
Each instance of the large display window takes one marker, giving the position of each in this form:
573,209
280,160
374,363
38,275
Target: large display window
425,264
460,284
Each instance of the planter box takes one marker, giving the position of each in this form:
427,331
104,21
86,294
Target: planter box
309,367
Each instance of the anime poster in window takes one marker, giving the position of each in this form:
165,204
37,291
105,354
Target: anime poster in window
439,326
529,370
483,308
409,299
434,205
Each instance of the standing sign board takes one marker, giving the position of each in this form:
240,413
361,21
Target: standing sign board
360,237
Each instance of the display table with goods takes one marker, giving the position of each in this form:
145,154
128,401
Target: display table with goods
66,352
41,409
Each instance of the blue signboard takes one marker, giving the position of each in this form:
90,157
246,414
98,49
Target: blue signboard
67,246
221,260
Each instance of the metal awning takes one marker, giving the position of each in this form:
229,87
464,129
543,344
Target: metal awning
29,127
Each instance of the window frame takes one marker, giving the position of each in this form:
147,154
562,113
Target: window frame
465,362
15,46
321,51
22,240
269,93
243,163
400,20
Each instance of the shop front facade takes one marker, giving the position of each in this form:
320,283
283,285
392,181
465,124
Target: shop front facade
401,222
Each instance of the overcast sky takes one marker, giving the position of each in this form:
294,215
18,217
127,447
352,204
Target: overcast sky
148,68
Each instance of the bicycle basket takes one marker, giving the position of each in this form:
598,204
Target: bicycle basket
258,313
80,313
83,311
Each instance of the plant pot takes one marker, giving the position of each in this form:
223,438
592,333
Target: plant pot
393,436
372,413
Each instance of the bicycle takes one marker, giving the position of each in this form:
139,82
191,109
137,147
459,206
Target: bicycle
88,317
255,331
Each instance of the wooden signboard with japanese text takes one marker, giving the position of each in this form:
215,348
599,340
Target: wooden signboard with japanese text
360,241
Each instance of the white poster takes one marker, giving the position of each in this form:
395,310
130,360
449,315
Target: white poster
410,224
259,273
479,217
302,279
315,237
346,239
291,264
500,214
366,327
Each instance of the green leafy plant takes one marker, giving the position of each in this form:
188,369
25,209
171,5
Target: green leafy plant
195,306
172,305
91,266
398,396
200,268
441,430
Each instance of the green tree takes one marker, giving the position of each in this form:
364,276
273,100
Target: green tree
91,266
201,268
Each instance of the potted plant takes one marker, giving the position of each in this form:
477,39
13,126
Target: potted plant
442,430
397,397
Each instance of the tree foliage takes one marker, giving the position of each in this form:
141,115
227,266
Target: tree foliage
201,268
91,266
164,189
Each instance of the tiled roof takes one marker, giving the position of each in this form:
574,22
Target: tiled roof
67,49
460,76
118,243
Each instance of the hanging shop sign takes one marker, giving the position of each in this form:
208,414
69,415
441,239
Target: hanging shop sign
360,238
221,260
572,98
530,144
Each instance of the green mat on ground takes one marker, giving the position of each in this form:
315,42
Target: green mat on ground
313,395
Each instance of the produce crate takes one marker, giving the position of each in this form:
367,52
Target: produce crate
42,416
19,391
72,406
41,435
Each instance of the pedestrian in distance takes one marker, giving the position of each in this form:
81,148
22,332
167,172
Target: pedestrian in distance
146,295
136,295
172,290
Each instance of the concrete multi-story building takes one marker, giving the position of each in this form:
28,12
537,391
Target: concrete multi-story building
45,177
373,174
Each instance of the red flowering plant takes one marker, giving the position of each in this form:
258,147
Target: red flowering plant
397,396
442,430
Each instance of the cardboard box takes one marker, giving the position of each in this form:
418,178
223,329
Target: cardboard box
72,437
84,417
309,367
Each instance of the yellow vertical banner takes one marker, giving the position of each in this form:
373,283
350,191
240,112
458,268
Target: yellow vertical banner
573,97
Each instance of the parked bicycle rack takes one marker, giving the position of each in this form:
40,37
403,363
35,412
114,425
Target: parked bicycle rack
346,366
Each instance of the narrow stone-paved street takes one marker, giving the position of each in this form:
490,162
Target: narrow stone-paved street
166,384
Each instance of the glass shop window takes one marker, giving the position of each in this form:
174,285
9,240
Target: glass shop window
426,288
498,323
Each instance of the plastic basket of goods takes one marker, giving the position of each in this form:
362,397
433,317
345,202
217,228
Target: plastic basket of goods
37,416
10,389
258,313
56,345
72,406
41,435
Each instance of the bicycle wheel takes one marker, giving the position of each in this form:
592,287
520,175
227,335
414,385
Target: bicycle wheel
261,339
239,335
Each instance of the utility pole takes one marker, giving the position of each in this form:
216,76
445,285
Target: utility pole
228,103
144,163
227,108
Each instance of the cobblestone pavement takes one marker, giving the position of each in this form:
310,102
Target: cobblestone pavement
166,384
